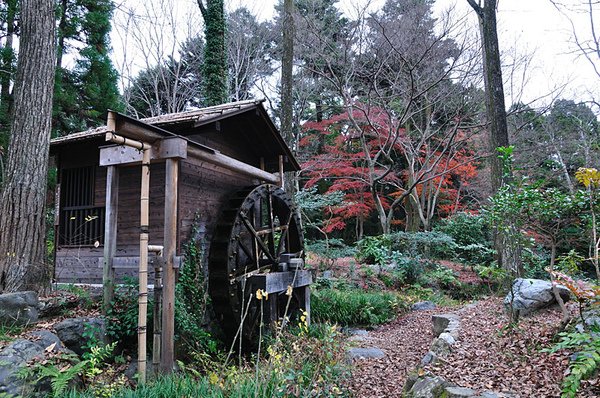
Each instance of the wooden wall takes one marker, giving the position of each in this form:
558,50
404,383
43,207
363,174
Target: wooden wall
203,190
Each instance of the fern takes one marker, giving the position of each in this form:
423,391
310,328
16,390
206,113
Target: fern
586,362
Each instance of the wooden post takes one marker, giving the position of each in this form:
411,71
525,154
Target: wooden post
143,267
281,171
170,246
110,236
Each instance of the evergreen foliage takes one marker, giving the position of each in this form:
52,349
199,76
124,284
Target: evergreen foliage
214,68
83,94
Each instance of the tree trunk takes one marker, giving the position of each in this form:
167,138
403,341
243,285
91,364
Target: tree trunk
508,251
22,215
287,64
287,98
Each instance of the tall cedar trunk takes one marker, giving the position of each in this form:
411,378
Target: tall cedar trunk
23,197
494,88
507,247
287,64
287,99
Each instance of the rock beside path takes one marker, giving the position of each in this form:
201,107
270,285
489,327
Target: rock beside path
14,358
531,295
423,306
76,333
365,353
18,309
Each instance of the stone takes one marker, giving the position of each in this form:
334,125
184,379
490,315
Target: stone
445,323
458,392
71,332
423,306
591,319
429,359
489,394
327,275
57,305
15,356
358,335
365,353
448,338
531,295
18,309
441,347
427,386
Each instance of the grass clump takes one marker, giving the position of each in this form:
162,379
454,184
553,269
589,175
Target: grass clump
354,306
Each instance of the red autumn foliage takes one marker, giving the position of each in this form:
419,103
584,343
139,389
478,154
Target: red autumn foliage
337,160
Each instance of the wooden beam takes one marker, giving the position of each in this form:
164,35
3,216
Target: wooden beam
279,281
132,262
232,164
167,356
131,132
171,147
110,236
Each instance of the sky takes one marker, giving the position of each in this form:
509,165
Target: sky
530,29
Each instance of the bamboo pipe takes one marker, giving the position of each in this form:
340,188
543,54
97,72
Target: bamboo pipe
143,266
215,158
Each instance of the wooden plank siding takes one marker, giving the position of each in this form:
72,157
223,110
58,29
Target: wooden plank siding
203,190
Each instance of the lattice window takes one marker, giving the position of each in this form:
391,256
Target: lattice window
81,223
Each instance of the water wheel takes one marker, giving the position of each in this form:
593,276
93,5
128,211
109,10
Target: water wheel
257,228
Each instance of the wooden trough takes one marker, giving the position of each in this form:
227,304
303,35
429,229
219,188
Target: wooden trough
137,190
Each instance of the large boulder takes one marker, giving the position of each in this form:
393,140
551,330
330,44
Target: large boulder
14,358
76,333
449,323
532,294
18,309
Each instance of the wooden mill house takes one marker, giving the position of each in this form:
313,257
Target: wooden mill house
139,190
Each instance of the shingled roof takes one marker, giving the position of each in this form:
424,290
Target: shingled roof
174,122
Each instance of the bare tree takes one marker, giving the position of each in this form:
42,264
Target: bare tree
22,217
402,78
162,78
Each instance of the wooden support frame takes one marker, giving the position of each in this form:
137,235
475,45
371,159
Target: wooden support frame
167,354
110,236
131,130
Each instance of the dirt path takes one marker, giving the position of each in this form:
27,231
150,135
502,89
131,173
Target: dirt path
404,342
486,357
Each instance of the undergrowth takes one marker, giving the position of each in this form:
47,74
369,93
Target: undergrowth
354,306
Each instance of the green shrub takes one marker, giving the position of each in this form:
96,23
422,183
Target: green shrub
354,306
374,249
440,277
329,250
122,315
472,236
423,244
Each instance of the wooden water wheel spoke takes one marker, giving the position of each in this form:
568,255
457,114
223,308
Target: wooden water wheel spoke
248,243
258,239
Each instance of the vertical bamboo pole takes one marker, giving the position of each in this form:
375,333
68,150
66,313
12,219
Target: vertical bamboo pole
170,246
110,236
143,267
